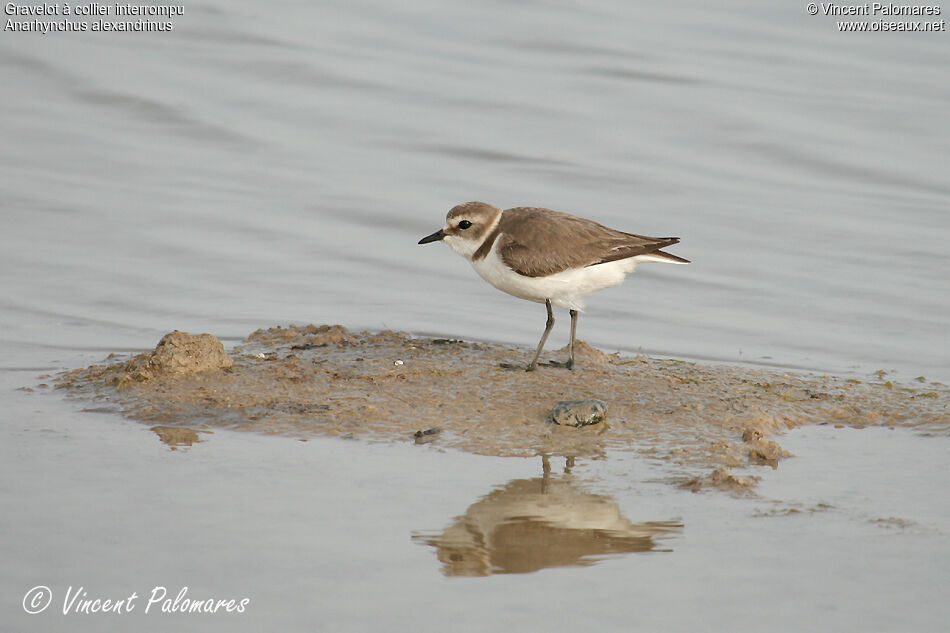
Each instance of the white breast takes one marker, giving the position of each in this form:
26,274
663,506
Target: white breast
564,289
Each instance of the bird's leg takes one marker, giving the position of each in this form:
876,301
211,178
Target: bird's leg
547,330
570,361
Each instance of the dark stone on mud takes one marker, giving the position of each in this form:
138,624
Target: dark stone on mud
306,346
579,412
426,436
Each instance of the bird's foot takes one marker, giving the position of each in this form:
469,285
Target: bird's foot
568,364
513,367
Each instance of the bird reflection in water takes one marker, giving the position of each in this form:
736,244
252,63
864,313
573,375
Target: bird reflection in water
548,521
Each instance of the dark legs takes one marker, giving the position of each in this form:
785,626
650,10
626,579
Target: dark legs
544,337
570,362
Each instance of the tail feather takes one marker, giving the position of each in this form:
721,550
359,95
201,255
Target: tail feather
668,257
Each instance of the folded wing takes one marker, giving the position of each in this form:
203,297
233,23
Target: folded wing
559,241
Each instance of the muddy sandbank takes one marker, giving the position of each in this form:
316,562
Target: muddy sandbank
304,381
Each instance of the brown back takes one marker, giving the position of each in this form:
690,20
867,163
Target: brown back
560,241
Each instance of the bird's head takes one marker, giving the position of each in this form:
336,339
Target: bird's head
466,227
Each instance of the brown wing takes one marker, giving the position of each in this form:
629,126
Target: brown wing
652,247
538,242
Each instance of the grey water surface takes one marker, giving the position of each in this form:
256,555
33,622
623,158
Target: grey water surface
270,165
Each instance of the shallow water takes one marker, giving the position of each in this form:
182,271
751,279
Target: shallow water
264,165
332,531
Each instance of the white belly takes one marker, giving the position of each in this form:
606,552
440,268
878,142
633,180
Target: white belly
564,289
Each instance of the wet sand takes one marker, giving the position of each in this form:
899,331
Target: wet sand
701,419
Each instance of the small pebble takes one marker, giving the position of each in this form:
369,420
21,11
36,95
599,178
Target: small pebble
426,436
579,412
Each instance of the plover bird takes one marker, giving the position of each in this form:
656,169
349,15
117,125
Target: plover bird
546,256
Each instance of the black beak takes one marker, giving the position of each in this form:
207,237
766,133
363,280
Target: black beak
435,237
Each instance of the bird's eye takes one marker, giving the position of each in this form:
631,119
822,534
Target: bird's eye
464,224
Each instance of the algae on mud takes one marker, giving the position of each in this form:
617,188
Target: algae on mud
325,380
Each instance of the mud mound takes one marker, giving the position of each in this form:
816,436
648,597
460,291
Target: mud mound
176,354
